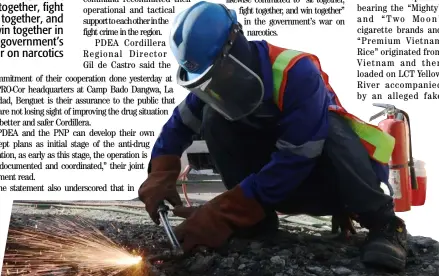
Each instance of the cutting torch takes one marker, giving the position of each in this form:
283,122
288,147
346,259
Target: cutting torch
163,213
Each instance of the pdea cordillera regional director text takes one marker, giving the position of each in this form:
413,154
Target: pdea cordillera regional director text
132,53
118,54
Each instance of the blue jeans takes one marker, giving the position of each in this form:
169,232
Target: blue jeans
344,179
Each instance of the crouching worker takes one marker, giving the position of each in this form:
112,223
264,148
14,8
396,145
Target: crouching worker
278,136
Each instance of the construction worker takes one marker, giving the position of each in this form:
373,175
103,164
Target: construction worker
276,133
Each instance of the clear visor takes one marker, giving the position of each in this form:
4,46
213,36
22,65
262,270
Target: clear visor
229,87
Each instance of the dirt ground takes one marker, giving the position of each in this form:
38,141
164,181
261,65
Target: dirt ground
297,249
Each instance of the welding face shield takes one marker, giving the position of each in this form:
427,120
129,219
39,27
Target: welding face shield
228,86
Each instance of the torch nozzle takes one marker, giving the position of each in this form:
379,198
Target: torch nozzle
163,213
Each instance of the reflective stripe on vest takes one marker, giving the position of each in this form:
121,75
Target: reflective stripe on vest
188,118
378,143
310,149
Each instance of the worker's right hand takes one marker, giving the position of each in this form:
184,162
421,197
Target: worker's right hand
161,185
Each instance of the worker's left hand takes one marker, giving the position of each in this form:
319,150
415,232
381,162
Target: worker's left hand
184,212
213,223
202,228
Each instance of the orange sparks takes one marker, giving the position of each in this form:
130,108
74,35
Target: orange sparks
64,247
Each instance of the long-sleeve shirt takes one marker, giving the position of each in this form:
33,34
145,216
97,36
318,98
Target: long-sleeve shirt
177,133
302,128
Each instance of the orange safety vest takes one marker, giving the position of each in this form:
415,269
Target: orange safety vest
378,143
